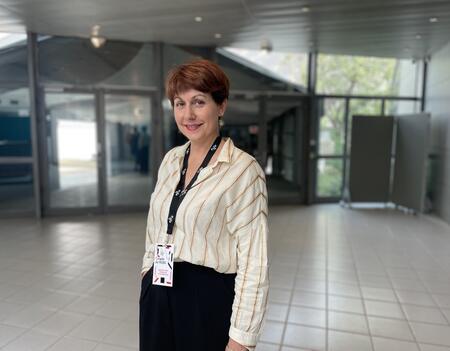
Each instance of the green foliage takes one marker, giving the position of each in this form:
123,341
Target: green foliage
356,75
346,75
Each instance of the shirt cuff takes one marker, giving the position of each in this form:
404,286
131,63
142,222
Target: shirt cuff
246,339
147,264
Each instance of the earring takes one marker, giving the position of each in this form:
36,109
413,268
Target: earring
221,121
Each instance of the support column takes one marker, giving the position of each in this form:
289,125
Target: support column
262,132
310,132
34,103
157,123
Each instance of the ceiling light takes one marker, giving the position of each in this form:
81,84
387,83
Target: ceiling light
418,36
97,41
433,19
198,19
305,9
217,35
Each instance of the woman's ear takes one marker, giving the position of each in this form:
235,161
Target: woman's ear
223,107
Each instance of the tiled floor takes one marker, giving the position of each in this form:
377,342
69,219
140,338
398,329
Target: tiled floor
341,279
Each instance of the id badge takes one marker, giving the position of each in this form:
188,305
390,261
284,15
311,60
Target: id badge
163,265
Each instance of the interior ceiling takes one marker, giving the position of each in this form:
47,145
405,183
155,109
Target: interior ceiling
387,28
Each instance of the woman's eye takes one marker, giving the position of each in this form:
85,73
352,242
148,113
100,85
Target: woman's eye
199,102
179,104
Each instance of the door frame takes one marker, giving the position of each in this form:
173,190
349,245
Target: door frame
98,93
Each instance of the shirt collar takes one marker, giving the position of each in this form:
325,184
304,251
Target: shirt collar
225,152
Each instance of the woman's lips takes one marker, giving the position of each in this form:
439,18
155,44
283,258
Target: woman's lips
192,127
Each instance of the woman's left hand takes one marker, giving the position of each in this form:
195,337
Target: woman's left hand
235,346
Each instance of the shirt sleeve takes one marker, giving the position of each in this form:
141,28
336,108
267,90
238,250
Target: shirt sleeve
147,260
247,221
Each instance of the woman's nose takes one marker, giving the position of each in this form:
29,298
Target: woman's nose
189,111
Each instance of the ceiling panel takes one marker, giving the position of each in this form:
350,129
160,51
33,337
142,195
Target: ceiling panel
386,28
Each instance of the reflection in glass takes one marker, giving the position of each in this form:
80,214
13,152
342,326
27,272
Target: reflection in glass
15,134
366,107
329,177
331,126
358,75
16,187
72,150
128,139
75,61
400,107
283,145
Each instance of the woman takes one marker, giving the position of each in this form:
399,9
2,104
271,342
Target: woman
205,268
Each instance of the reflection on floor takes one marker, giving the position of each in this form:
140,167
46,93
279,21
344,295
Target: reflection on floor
352,280
123,189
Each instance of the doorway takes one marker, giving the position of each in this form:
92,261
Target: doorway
96,150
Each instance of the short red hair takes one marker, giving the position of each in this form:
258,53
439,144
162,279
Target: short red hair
202,75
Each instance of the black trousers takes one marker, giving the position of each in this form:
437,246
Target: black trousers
194,314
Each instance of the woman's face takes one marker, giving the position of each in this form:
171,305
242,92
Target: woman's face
196,115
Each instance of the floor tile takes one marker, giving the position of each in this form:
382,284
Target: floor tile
29,316
348,322
340,341
415,298
305,337
9,333
125,334
307,316
432,333
382,344
390,328
345,304
277,312
60,323
31,341
378,294
383,309
308,299
424,314
94,328
272,332
71,344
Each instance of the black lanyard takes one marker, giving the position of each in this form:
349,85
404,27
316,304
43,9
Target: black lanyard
179,193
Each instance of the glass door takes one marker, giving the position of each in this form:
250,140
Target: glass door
128,138
72,152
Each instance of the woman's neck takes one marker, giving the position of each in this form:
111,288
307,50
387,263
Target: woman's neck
200,149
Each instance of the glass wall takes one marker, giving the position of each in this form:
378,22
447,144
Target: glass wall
72,150
16,169
285,166
334,128
128,140
103,97
370,76
289,66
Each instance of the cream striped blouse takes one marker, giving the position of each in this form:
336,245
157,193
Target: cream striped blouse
222,224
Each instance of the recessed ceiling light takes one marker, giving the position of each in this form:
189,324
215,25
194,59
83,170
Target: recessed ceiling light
433,19
418,36
305,9
198,19
217,35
